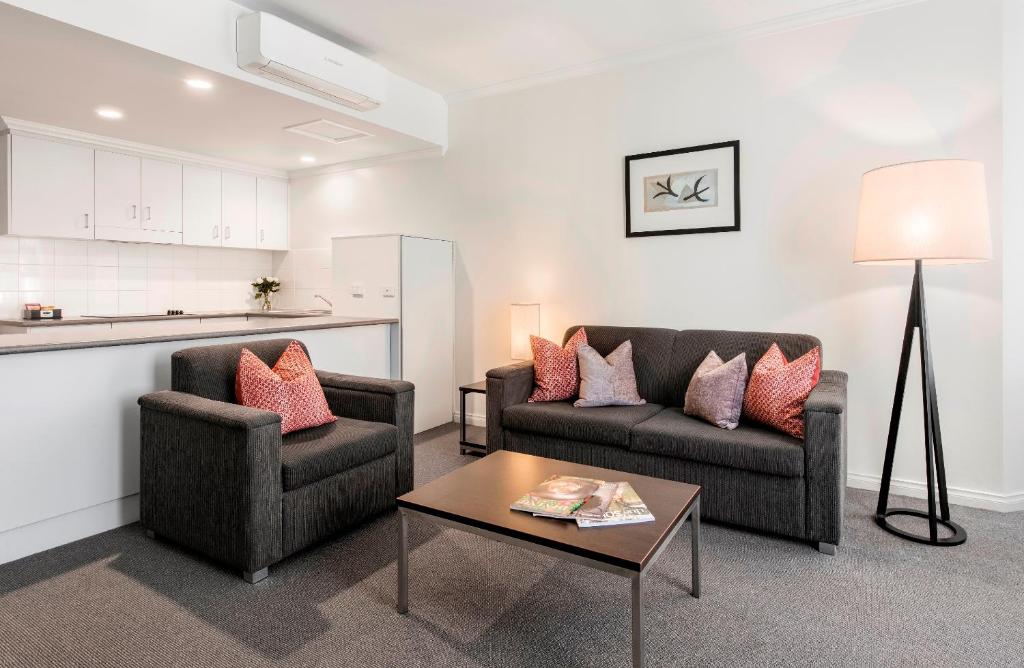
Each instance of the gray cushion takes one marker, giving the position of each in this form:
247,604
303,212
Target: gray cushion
209,371
748,447
310,455
608,425
665,359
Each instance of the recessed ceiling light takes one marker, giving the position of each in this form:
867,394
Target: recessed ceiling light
198,84
110,112
307,158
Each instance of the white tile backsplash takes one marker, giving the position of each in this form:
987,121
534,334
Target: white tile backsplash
131,255
35,278
102,302
131,302
106,277
102,279
10,304
8,250
70,278
102,254
131,278
8,277
70,253
35,251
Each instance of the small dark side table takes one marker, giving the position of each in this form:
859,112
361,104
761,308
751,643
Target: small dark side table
465,446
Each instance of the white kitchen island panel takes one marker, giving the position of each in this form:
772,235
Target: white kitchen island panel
70,446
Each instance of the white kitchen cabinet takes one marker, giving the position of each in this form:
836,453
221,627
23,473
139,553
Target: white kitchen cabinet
272,213
201,206
238,210
161,195
51,189
118,183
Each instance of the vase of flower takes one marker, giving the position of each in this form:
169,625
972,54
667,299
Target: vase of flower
264,287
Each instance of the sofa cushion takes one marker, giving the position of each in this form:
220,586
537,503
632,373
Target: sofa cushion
607,425
311,455
748,447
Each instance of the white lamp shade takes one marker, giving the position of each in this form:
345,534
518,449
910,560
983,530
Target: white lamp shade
933,210
524,320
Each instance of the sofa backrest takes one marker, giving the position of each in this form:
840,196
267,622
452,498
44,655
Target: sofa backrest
665,359
209,371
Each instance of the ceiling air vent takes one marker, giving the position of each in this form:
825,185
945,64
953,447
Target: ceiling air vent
328,131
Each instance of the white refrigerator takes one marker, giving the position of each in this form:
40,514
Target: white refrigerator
412,279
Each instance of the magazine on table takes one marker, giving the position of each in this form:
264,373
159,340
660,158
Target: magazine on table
591,503
559,496
626,507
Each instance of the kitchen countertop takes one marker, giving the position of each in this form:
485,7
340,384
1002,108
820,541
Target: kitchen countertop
179,328
197,315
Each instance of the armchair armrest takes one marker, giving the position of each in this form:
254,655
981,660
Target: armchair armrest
376,400
506,386
825,457
211,477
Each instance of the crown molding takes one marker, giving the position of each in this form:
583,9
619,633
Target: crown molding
337,168
41,130
836,12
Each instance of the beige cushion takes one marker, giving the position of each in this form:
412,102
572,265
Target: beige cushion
716,390
607,381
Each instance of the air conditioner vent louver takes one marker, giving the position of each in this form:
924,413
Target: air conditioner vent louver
328,131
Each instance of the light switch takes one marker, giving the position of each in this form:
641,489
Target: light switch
357,290
388,292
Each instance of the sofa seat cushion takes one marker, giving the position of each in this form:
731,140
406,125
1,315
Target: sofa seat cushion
607,425
311,455
748,447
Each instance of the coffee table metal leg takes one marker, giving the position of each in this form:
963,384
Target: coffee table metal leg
638,621
695,545
403,564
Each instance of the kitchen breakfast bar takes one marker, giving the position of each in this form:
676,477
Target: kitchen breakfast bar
70,454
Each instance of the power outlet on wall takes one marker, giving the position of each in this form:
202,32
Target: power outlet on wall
387,292
357,290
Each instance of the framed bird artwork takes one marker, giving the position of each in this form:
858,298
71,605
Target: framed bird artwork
684,190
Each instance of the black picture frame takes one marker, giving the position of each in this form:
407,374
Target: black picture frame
735,227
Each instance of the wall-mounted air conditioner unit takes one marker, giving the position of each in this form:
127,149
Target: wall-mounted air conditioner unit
282,52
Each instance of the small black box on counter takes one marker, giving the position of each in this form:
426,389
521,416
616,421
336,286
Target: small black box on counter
36,312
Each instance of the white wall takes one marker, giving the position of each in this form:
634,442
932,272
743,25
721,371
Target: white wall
1013,247
531,189
107,277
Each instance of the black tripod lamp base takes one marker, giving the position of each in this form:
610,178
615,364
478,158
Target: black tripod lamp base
959,535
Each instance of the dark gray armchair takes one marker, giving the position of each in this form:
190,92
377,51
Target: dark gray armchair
219,478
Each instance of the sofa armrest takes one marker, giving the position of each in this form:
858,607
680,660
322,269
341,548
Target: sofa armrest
376,400
825,457
211,477
506,386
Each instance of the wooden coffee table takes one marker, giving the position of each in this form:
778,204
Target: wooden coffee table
476,498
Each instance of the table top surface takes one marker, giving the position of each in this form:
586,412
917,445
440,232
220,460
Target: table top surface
479,386
479,495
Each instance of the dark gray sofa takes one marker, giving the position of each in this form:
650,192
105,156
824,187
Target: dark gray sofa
752,476
219,478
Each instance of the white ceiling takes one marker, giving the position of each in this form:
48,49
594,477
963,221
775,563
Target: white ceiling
461,45
56,74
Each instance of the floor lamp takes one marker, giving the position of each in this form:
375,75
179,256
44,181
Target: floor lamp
929,212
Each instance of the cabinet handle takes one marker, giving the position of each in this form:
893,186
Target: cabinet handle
216,231
86,221
135,211
149,214
227,232
261,235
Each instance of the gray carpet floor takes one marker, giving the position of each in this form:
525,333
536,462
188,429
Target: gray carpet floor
120,599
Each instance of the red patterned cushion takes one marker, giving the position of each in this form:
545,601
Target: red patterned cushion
556,375
290,389
778,389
